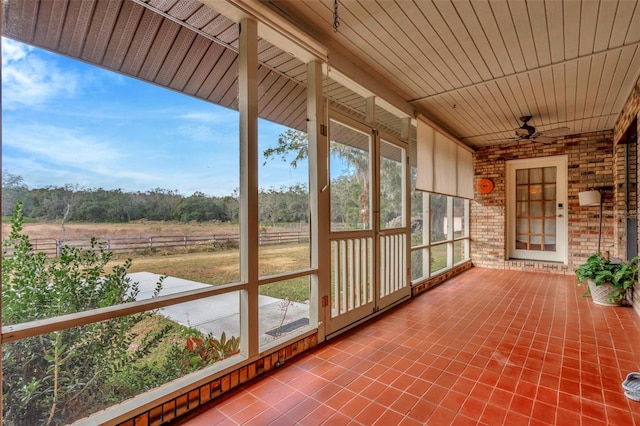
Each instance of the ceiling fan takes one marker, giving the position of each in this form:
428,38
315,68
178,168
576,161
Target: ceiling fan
528,132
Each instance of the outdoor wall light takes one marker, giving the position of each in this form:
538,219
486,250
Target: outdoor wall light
592,198
589,198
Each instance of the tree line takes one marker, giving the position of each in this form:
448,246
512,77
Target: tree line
98,205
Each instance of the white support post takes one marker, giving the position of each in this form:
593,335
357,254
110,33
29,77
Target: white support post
248,107
319,207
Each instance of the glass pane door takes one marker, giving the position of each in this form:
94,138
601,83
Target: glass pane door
536,209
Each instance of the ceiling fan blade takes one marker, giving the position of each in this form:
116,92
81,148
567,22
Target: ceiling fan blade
544,138
559,131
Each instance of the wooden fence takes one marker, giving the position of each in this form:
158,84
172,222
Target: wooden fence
52,246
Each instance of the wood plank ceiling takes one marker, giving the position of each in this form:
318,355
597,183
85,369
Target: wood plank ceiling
477,66
474,67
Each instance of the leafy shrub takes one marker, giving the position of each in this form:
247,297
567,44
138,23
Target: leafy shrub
60,376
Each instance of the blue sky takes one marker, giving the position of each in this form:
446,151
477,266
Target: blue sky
67,122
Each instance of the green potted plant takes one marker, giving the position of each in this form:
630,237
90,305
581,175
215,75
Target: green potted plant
608,279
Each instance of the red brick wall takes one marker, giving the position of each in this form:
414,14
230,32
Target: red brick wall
590,163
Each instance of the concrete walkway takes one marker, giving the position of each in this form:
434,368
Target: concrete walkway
221,313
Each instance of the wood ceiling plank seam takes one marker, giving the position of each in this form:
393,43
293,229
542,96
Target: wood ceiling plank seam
285,114
511,104
294,69
202,17
176,56
634,27
296,116
490,28
630,80
387,57
490,112
277,60
398,19
588,23
473,40
584,67
559,79
571,27
193,58
611,77
442,57
123,35
520,17
230,36
499,99
75,27
344,94
143,38
50,25
571,89
267,51
479,39
622,22
25,23
437,67
159,49
227,64
281,88
526,72
520,100
549,97
526,86
228,91
204,68
266,81
555,25
162,5
604,26
354,109
184,9
101,32
274,84
443,113
507,29
437,23
219,25
540,31
348,111
595,79
215,73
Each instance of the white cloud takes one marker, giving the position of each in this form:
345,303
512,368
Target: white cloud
63,146
30,80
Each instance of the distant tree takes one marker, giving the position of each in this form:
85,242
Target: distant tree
286,204
53,203
13,189
200,208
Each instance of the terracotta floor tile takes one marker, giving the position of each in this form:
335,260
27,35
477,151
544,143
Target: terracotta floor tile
467,358
404,403
370,414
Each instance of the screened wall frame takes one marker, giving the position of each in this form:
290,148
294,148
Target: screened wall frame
247,287
428,255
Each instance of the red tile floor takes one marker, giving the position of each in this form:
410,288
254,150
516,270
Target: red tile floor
488,347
